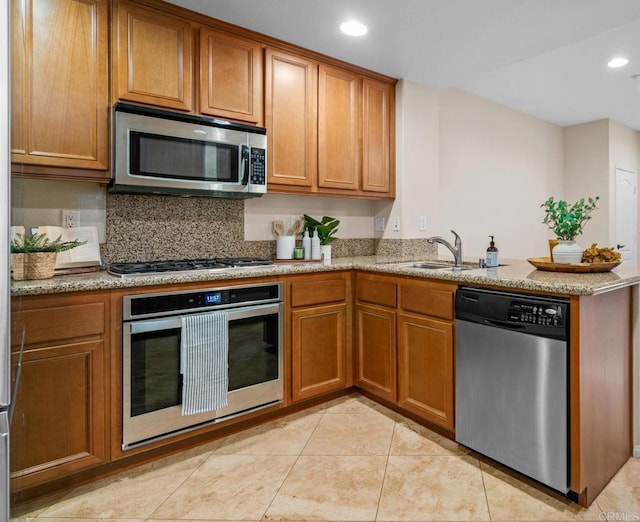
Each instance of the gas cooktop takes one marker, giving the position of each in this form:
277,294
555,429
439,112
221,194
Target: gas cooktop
184,265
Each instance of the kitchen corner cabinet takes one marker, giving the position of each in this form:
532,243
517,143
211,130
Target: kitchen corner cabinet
320,342
60,419
59,88
230,76
326,126
152,57
378,137
376,335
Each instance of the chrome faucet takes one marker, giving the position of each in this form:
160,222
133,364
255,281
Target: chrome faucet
455,250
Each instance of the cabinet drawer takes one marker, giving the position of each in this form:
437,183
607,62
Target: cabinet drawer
312,290
428,298
376,290
58,323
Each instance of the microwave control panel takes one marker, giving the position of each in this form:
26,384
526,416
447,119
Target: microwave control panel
258,167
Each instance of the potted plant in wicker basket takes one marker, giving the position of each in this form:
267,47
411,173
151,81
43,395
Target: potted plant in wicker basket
34,257
567,222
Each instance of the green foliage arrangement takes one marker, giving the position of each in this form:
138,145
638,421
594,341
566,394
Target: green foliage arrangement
326,228
567,221
41,243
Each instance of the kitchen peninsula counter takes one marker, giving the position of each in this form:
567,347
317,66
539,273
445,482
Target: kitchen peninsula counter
517,275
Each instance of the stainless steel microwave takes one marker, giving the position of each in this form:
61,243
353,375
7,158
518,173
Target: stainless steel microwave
164,152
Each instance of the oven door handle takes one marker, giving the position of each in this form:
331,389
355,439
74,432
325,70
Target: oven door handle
172,323
155,325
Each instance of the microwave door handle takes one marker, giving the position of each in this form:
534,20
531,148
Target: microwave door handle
244,164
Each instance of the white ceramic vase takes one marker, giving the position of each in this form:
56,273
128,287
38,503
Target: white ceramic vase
325,254
567,252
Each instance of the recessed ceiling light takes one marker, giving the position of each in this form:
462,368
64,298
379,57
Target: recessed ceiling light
618,62
353,28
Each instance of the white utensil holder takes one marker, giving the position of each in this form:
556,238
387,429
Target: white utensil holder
285,246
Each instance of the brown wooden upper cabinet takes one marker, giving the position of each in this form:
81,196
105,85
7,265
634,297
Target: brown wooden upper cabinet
59,87
330,129
291,94
339,99
230,76
152,58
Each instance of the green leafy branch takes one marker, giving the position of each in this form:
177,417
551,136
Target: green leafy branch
41,243
567,221
326,228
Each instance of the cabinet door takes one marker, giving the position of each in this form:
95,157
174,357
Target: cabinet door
59,94
339,129
425,368
230,76
59,419
291,94
377,146
376,338
319,350
153,56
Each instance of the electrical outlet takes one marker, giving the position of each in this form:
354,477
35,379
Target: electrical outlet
379,224
396,224
70,218
422,223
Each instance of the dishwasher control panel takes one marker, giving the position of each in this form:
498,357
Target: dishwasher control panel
531,314
537,313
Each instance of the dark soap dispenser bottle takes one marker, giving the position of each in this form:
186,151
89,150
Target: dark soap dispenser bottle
492,254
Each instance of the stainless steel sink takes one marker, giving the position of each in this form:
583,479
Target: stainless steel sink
442,266
432,265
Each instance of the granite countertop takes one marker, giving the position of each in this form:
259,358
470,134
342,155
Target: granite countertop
515,274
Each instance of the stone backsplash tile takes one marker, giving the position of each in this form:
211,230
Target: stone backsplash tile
409,248
144,228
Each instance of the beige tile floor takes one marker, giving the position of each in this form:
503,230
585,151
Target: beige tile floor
350,459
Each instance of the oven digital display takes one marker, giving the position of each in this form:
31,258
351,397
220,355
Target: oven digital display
213,298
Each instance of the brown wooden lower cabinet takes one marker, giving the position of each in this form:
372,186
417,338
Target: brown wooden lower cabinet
376,348
60,420
425,368
320,307
319,350
404,334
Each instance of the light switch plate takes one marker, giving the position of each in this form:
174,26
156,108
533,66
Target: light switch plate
396,224
422,223
379,224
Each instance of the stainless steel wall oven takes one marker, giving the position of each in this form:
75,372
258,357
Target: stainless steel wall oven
152,379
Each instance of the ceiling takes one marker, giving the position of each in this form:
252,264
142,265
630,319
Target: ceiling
546,58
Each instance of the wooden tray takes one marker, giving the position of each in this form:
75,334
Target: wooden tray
545,263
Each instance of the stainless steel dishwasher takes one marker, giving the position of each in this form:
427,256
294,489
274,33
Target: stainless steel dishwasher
512,381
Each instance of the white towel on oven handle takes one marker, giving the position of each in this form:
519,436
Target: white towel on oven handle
204,354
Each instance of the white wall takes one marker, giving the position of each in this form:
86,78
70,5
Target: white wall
355,215
497,166
417,178
38,202
587,173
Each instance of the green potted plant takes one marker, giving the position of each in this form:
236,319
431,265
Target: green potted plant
34,257
567,222
326,229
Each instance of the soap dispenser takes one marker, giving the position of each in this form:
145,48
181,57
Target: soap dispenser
315,246
306,244
492,254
